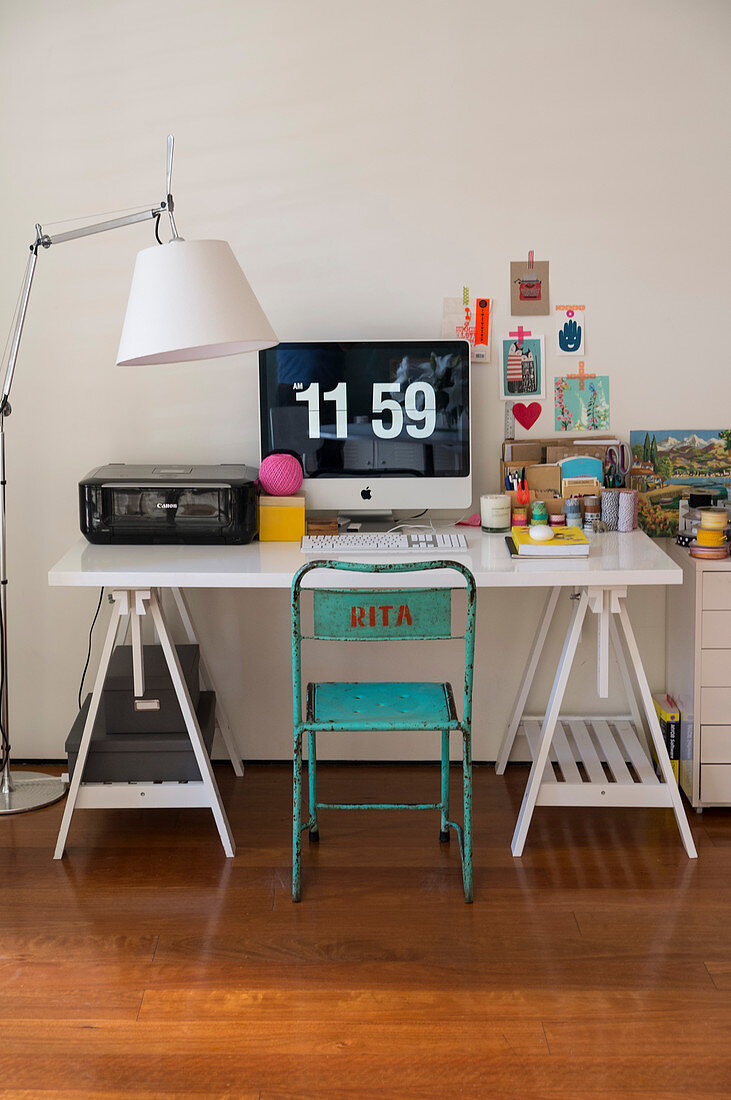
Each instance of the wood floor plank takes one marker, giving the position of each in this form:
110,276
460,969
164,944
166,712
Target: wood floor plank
720,972
68,946
146,964
321,1075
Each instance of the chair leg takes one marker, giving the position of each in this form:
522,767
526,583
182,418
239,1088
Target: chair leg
297,817
467,827
312,777
444,830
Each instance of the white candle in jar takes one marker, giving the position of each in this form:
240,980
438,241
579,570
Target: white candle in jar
495,512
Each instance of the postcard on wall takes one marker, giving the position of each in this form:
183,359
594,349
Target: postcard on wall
522,371
452,317
483,325
570,330
668,462
581,402
529,288
463,321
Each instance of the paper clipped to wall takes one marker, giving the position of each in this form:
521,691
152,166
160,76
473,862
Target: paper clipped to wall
470,320
570,329
581,401
529,287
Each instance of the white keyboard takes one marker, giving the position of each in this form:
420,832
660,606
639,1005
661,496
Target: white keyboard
398,542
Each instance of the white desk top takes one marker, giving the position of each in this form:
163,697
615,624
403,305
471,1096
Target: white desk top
614,559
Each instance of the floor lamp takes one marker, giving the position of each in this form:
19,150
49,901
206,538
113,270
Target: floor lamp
189,300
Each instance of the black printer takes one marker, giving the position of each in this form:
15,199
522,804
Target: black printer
168,504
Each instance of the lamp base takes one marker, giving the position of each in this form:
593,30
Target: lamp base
30,791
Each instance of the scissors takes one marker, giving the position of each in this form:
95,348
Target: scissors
619,463
519,485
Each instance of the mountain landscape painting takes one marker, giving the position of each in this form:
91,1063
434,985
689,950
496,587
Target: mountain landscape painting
666,464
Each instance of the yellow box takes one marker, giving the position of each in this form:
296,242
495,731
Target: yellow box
281,519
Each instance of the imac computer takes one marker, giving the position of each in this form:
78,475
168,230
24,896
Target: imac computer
377,424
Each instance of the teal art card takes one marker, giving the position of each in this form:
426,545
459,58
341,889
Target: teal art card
581,401
521,366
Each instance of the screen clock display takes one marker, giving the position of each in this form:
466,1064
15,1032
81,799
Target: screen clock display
394,408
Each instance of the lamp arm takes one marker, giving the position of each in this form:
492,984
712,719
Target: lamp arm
43,240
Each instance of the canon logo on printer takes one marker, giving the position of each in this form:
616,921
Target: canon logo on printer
161,505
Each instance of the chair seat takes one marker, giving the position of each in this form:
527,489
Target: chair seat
400,706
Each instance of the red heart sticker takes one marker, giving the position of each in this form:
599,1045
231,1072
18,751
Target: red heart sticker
526,415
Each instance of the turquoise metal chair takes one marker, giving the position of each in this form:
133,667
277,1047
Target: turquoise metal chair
360,614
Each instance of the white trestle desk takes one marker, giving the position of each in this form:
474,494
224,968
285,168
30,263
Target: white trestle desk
577,760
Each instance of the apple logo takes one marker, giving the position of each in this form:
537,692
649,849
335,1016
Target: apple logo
366,493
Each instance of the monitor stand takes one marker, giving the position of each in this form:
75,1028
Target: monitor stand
367,521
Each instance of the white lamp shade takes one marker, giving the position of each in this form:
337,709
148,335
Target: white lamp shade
190,300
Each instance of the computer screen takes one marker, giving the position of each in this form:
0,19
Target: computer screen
377,425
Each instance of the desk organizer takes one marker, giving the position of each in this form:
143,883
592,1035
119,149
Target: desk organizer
141,757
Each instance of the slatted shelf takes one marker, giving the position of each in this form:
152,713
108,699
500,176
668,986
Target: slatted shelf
596,761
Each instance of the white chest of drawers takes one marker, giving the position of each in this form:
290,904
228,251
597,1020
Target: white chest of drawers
699,675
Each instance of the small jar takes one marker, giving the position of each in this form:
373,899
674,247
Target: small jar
495,512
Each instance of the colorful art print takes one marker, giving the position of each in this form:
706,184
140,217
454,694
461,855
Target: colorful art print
581,402
570,330
529,289
682,457
453,314
657,515
667,463
463,322
522,367
481,331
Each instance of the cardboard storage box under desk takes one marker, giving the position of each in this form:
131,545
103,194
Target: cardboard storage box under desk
141,757
159,710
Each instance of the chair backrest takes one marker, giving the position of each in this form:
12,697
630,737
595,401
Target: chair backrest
366,613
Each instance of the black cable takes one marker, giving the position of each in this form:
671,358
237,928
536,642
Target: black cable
157,226
88,655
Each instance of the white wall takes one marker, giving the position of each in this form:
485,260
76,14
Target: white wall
364,160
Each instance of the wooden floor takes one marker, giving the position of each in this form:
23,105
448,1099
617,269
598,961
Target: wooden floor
147,964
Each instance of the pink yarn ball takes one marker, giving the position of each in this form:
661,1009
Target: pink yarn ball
280,475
